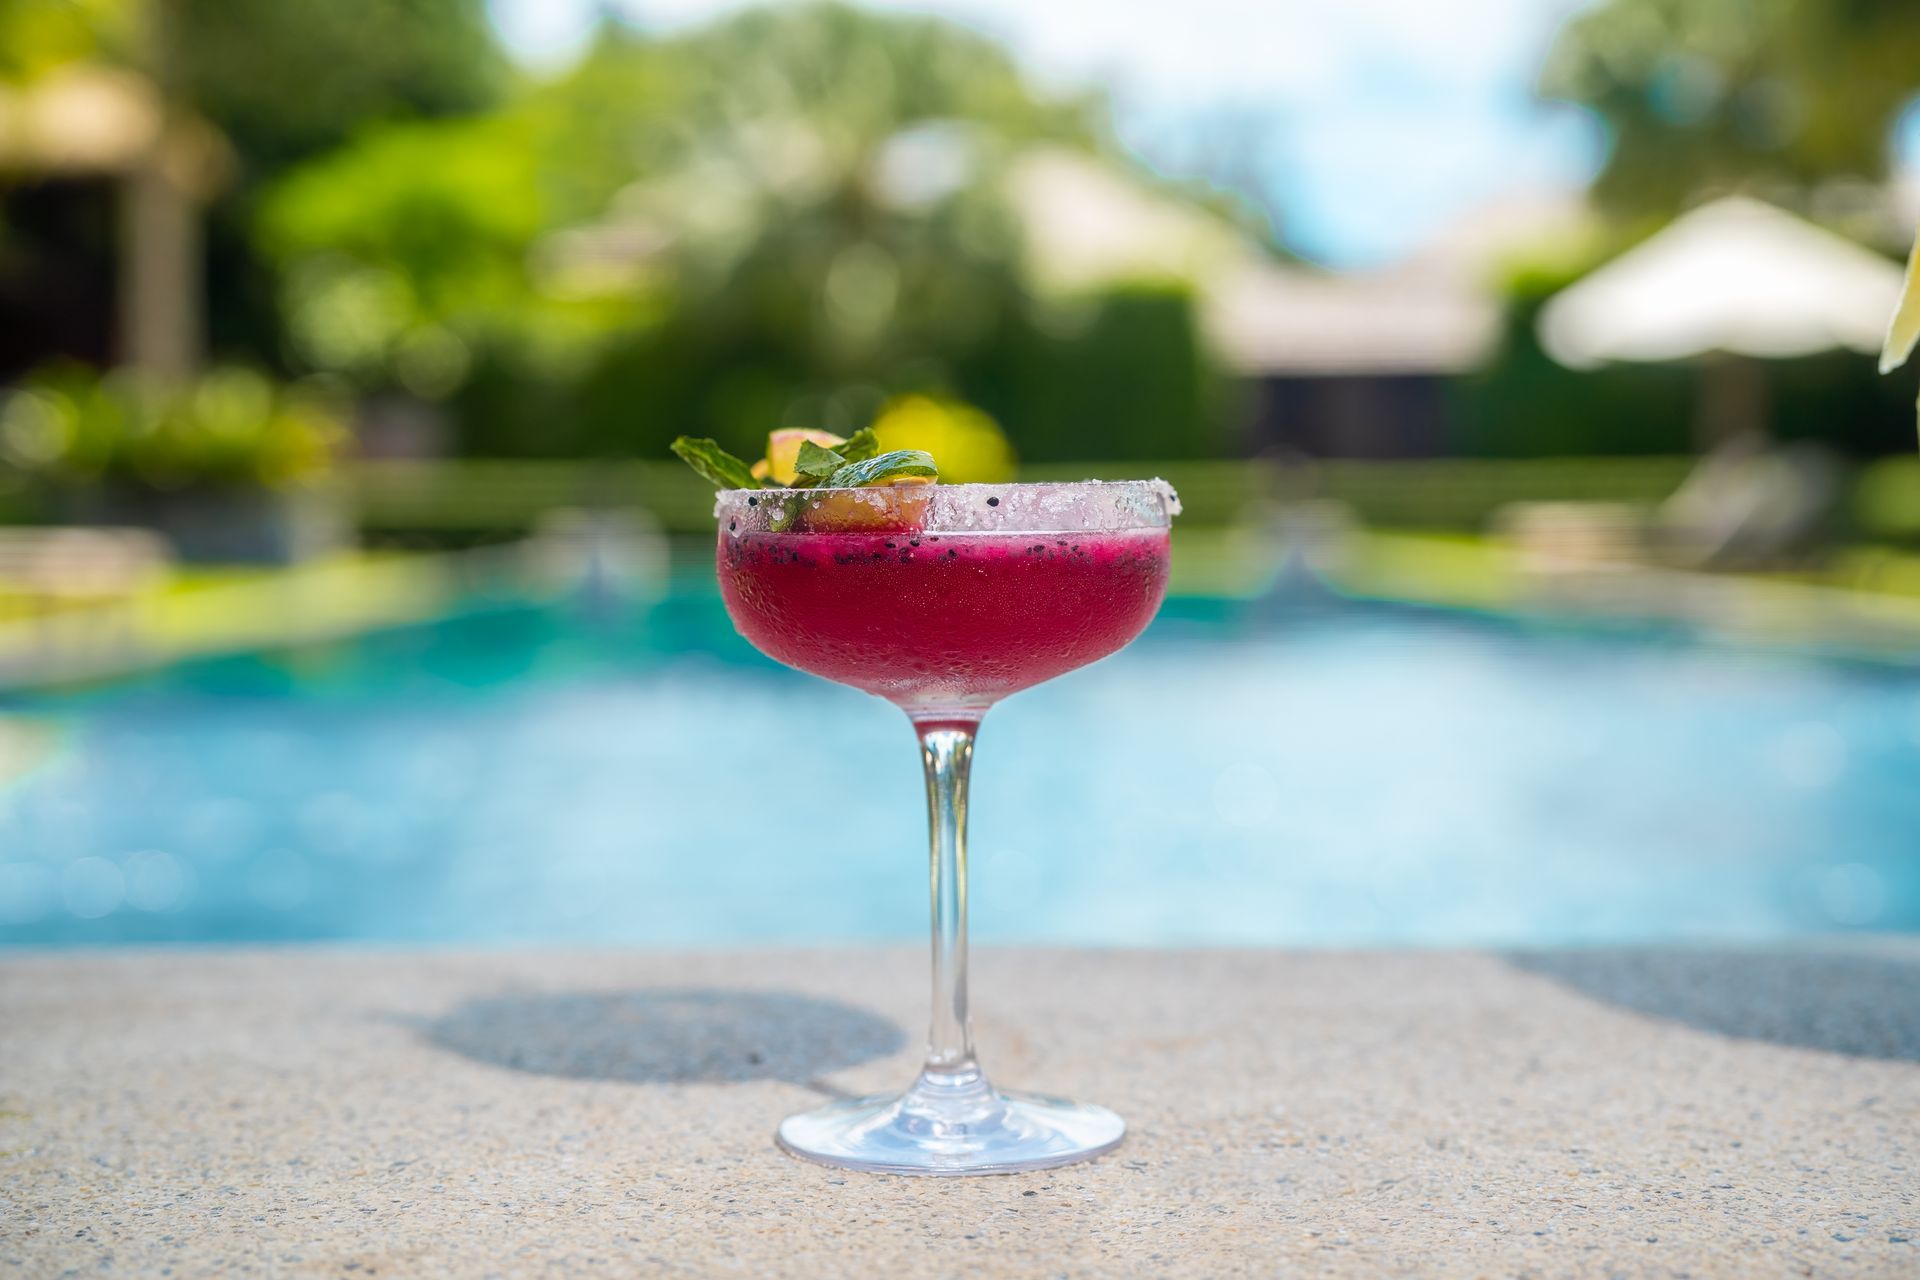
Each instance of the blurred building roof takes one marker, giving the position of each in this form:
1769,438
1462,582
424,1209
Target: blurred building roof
1088,224
1278,320
1736,276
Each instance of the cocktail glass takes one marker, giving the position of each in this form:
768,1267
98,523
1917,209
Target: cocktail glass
944,599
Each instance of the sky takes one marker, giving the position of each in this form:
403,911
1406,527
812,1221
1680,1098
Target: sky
1369,125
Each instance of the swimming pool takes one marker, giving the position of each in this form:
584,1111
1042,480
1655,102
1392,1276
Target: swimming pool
1337,775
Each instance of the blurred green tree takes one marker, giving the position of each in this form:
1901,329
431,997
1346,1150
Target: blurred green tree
1122,374
286,79
786,218
38,36
1707,96
282,80
827,224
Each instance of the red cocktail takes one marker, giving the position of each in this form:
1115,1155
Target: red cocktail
944,599
942,624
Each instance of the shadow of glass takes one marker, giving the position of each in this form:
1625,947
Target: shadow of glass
666,1036
1866,1005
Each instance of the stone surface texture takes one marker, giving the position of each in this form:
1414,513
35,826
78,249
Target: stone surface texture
355,1113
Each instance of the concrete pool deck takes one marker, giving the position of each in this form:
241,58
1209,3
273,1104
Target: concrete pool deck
411,1113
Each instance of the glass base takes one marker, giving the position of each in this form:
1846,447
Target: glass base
952,1125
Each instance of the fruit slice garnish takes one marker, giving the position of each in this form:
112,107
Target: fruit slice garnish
783,450
896,507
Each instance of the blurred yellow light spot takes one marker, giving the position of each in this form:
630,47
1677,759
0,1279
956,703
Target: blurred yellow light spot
968,445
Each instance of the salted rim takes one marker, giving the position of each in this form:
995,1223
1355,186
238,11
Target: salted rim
1013,507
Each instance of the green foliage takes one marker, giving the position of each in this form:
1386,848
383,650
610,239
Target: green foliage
814,467
285,80
713,464
858,447
1713,95
403,249
884,468
231,428
1886,503
289,78
802,290
856,76
1527,405
282,79
814,463
1123,374
38,36
788,218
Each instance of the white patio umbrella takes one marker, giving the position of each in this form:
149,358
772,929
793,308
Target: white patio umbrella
1737,277
1732,283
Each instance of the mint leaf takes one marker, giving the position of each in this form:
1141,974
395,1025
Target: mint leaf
815,464
718,467
851,465
859,446
883,467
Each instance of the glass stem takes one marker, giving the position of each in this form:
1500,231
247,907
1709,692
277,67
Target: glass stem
947,752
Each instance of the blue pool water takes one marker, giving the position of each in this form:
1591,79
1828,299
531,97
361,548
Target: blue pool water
1350,775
